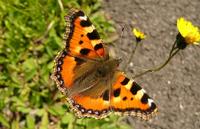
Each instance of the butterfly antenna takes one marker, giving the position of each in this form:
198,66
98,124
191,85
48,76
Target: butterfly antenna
121,36
111,51
122,33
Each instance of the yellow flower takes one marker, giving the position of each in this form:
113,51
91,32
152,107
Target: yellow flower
188,31
138,34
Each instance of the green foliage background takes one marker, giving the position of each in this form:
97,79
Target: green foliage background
31,33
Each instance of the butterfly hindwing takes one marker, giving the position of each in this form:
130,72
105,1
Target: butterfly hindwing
82,39
64,68
72,73
86,106
129,98
125,97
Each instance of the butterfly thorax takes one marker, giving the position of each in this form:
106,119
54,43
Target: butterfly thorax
106,68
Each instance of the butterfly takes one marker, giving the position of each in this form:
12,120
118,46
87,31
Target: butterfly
89,78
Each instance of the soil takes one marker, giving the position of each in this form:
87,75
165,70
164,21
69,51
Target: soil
176,88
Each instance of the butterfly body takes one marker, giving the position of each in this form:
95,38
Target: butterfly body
106,68
90,79
98,72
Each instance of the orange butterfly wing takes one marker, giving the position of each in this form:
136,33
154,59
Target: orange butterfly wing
126,97
65,65
130,99
82,39
85,106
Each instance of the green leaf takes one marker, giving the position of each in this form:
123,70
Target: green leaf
15,124
67,118
4,121
30,122
23,109
45,121
57,109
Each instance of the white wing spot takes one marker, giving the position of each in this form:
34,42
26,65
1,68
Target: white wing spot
150,101
144,90
89,111
82,110
96,112
83,18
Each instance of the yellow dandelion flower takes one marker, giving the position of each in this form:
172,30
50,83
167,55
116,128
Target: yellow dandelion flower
188,31
138,34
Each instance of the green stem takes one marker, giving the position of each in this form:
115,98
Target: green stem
166,62
173,48
173,52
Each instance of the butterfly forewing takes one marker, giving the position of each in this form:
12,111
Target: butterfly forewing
82,39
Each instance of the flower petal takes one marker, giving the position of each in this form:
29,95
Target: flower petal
189,32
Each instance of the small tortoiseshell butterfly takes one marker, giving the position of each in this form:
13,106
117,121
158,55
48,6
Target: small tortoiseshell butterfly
89,78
